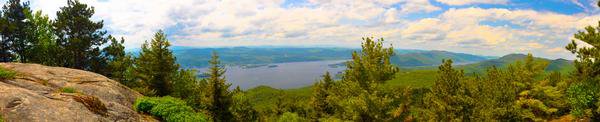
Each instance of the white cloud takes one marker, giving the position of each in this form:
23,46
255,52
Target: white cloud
468,2
209,23
524,31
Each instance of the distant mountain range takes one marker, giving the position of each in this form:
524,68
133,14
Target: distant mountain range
198,57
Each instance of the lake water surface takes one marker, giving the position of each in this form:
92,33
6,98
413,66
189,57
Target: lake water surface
280,75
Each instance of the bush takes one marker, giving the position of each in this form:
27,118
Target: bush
290,117
169,109
7,74
68,90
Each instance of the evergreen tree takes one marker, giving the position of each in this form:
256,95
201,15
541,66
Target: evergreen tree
155,66
80,37
16,32
5,54
449,99
117,60
360,95
321,91
44,48
371,65
583,93
218,96
242,108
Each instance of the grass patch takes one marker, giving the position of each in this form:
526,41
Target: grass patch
68,90
92,103
7,74
414,79
169,109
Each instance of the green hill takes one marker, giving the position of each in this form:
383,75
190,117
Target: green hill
560,65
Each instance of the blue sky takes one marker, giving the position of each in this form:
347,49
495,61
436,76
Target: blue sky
484,27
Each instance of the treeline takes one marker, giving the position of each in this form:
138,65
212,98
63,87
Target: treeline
73,40
520,92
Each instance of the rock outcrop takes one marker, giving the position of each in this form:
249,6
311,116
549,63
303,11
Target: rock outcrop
37,94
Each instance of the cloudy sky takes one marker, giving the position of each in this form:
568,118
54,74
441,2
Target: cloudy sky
484,27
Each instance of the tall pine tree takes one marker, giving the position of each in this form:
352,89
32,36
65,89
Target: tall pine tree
583,93
449,99
219,98
155,66
80,37
117,60
17,28
319,102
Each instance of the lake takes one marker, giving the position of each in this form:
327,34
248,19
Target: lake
280,75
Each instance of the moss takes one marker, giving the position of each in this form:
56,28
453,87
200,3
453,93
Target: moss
169,109
68,90
1,119
92,103
7,74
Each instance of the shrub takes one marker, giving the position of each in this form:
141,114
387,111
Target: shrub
290,117
7,74
169,109
68,90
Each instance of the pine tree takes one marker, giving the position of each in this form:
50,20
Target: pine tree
242,108
80,37
360,95
321,91
5,54
117,60
155,66
16,33
371,65
218,96
44,48
449,99
583,93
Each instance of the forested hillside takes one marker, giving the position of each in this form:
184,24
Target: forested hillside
371,88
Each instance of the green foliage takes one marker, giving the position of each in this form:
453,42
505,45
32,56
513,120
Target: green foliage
360,95
45,49
7,74
169,109
79,37
582,95
155,66
218,96
118,62
413,78
321,91
449,99
68,90
290,117
15,34
242,108
189,89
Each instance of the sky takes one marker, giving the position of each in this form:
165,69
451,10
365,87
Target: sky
482,27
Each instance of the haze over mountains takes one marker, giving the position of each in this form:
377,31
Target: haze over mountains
198,57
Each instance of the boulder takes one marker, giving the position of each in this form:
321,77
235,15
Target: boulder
36,94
